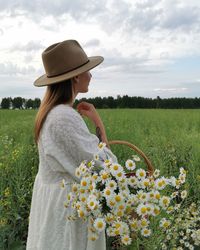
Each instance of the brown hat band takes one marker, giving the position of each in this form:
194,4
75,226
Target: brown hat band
68,70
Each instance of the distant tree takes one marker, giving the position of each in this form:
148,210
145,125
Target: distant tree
5,103
36,103
29,104
17,102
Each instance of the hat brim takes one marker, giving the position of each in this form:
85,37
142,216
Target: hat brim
44,80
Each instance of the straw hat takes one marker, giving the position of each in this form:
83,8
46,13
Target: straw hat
63,61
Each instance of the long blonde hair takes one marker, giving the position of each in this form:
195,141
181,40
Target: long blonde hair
58,93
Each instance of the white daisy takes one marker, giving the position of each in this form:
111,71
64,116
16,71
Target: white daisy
85,182
132,181
160,183
101,145
130,165
144,222
164,223
126,240
92,204
108,162
145,183
111,184
99,224
183,194
96,157
105,176
183,171
164,201
140,173
142,210
120,175
107,192
146,232
182,178
156,210
77,172
136,158
115,168
156,173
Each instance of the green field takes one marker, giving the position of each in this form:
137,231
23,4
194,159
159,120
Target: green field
170,139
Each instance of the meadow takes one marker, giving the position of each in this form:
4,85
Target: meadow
169,138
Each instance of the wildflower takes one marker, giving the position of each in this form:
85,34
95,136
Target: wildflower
183,194
111,202
164,201
96,157
181,178
109,218
78,173
115,168
92,203
136,158
157,195
146,232
183,171
156,173
134,224
99,224
81,213
102,145
140,173
156,211
142,209
164,223
74,187
144,222
104,176
107,192
118,197
108,162
90,164
130,165
85,182
145,183
126,240
70,197
111,184
120,175
160,183
132,181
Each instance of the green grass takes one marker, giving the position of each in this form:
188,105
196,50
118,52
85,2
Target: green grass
169,138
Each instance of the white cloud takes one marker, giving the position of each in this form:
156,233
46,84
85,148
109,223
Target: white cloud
140,40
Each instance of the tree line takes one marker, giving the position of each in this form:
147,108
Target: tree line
20,103
110,102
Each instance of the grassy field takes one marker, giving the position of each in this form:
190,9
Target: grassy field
170,139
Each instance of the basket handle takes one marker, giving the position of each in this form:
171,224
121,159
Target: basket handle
140,152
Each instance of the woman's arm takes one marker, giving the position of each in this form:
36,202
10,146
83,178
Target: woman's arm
88,109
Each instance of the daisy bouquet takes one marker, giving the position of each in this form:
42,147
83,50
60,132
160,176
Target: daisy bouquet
123,200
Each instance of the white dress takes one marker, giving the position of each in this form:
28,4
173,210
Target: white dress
64,142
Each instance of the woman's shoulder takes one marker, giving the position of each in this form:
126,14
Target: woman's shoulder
63,112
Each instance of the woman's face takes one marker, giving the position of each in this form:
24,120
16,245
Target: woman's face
81,82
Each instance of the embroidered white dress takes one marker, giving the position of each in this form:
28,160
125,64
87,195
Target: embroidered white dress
64,143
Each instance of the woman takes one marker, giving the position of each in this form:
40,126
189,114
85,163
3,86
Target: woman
64,141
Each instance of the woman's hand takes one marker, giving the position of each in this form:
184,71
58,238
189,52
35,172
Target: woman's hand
88,109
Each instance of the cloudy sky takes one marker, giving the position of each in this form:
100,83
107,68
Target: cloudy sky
150,47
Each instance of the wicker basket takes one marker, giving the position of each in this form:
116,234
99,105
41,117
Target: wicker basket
150,167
